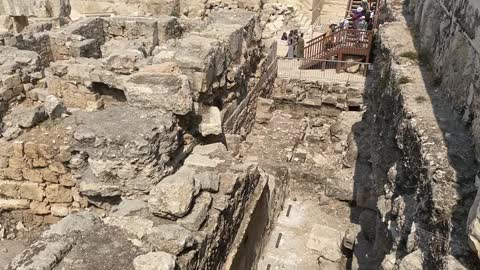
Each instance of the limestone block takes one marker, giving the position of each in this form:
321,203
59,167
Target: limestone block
12,133
37,8
207,149
27,117
99,189
264,110
151,90
123,62
173,196
207,180
18,149
31,150
31,191
60,210
211,123
58,194
11,204
154,261
194,220
9,188
39,208
171,238
54,107
49,175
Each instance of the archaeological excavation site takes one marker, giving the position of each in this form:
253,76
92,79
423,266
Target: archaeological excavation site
239,134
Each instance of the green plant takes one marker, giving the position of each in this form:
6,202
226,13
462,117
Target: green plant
421,99
410,55
424,57
404,80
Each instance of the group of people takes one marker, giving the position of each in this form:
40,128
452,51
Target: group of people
295,42
362,18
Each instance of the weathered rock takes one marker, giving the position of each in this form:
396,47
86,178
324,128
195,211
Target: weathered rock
12,133
155,261
173,196
208,181
170,238
194,220
211,123
264,110
9,204
37,8
54,107
57,193
27,117
412,261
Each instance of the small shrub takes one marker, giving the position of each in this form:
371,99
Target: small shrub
404,80
410,55
420,99
424,57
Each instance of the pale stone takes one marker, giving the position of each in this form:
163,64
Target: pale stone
173,196
170,238
211,123
155,261
57,193
11,204
31,191
194,220
54,107
59,210
39,208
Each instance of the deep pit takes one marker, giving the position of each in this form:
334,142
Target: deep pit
175,134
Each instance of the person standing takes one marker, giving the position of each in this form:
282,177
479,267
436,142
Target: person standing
290,52
356,15
301,47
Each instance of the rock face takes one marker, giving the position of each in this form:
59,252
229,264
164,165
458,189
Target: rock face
37,8
415,178
128,237
449,39
123,7
173,196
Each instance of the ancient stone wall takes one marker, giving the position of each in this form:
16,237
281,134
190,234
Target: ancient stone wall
448,38
127,8
448,33
416,191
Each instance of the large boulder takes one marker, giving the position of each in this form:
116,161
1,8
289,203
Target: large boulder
154,261
173,196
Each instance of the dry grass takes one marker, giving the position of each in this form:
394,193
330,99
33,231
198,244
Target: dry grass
404,80
410,55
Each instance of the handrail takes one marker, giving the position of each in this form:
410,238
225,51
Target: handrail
345,38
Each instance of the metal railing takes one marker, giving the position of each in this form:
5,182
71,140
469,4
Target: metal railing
331,71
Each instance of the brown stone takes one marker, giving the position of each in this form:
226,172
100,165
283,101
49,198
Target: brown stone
3,162
17,163
49,175
58,168
66,180
39,208
65,155
57,193
13,174
9,188
51,219
31,191
31,150
32,175
17,148
40,163
46,151
60,209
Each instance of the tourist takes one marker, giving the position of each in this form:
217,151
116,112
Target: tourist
300,46
295,42
345,24
365,6
285,36
362,25
290,45
329,43
356,15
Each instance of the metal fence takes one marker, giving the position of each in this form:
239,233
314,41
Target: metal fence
332,71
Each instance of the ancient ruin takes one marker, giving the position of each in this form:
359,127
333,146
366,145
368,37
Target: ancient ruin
175,135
